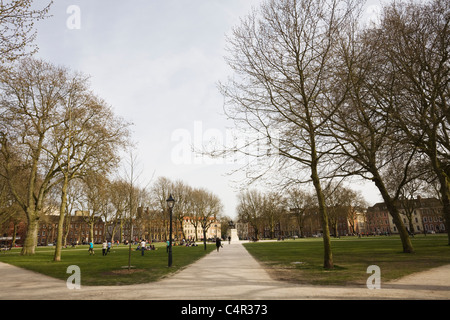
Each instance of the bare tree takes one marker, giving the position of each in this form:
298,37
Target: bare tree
95,194
364,129
284,57
414,42
249,209
17,31
273,208
300,203
206,207
91,136
135,194
55,128
160,192
183,195
118,196
356,205
30,111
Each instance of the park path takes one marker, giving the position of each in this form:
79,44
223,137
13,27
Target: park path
230,274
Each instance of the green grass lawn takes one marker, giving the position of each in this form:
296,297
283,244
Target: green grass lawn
301,260
111,269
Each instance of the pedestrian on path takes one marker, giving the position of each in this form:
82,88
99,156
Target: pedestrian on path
218,243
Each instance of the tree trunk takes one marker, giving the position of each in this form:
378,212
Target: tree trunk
204,238
91,231
445,198
29,244
62,213
14,237
328,255
444,190
393,211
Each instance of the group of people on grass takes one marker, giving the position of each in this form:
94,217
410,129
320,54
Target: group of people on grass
142,246
106,247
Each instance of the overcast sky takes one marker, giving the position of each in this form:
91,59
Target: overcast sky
157,63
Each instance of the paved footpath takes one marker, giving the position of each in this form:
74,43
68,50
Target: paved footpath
231,274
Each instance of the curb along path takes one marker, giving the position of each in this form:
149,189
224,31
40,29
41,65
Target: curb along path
231,274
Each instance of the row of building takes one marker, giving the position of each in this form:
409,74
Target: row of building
425,216
418,215
77,230
421,215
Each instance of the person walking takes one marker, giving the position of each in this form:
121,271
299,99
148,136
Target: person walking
91,248
218,243
109,247
104,247
142,247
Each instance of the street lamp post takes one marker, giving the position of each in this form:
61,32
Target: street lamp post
170,203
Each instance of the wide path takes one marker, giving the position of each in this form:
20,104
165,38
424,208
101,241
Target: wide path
230,274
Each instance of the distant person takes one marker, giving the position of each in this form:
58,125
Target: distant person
143,244
109,247
104,247
91,248
229,239
218,243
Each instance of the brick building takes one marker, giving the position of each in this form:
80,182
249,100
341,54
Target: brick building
421,215
76,230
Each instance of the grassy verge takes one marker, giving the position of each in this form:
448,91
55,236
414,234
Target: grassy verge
111,269
301,261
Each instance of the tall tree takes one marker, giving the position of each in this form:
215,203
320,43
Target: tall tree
273,207
160,192
182,193
413,40
300,203
364,129
95,191
30,111
249,209
206,207
91,135
118,196
55,128
283,56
